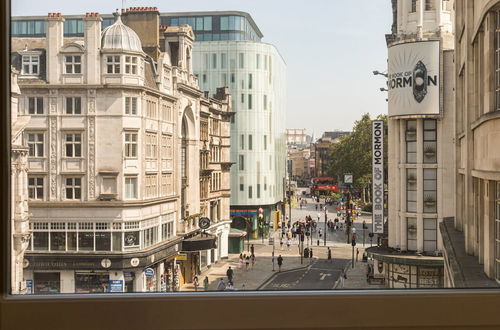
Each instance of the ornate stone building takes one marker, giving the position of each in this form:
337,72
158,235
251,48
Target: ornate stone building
114,156
19,193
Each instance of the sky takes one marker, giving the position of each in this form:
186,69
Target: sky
331,48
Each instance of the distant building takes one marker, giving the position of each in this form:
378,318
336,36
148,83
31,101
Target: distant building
296,137
322,154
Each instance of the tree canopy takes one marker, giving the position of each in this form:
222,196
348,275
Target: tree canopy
353,153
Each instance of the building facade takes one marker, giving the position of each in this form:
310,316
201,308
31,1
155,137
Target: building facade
114,155
322,155
229,53
19,193
472,239
421,145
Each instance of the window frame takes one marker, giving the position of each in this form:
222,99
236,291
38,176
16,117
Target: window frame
31,63
74,143
36,143
74,310
131,148
73,64
74,186
113,64
35,187
74,102
38,102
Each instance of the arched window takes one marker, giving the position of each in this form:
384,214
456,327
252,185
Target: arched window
184,164
188,59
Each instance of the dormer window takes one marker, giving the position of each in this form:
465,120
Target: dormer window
73,64
131,64
31,64
113,64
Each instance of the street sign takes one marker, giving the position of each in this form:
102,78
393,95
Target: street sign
116,285
149,272
181,256
348,178
204,223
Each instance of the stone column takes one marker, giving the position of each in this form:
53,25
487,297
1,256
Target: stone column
420,19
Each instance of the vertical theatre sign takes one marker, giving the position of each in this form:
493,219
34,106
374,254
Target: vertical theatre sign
378,176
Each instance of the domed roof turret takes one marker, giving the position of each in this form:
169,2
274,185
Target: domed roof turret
118,36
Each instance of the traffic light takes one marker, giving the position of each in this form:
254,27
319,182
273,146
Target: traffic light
353,241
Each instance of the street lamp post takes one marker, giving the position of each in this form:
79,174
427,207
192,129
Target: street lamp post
371,238
325,227
364,227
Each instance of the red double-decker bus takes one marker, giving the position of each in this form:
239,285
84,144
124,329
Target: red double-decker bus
323,186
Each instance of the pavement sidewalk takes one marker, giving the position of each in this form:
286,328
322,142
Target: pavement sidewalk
356,278
252,278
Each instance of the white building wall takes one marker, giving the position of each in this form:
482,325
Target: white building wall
268,82
423,25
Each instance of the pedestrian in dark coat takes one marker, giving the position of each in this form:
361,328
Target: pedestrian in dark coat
280,262
329,255
229,274
252,249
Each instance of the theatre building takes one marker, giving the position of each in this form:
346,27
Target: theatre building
114,152
420,141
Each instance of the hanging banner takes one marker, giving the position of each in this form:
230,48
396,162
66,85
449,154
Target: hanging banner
413,78
378,176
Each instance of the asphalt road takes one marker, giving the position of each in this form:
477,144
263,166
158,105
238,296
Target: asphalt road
320,275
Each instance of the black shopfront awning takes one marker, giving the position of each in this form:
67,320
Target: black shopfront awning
199,242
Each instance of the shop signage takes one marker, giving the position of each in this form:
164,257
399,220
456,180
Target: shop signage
29,286
204,223
149,272
134,262
328,187
413,78
128,276
116,286
243,211
181,256
378,176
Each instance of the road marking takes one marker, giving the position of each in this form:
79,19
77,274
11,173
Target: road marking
323,275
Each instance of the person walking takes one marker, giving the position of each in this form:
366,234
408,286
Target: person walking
280,262
252,258
205,283
311,255
221,285
288,243
240,262
343,277
281,243
195,283
329,254
252,249
357,254
247,262
229,274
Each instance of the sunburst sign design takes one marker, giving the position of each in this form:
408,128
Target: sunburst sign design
414,78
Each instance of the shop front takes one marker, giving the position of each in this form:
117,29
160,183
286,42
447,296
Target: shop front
405,270
96,273
46,282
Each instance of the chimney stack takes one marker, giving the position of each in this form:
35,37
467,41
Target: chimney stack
54,42
92,36
145,21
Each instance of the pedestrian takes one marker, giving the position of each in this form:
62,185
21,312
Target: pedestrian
329,254
252,249
195,283
221,286
252,258
343,277
357,253
320,234
247,262
311,254
240,262
280,262
229,287
205,283
229,274
281,243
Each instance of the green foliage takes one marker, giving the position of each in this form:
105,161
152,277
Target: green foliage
367,207
353,153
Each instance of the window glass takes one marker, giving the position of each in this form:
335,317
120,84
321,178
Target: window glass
207,23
